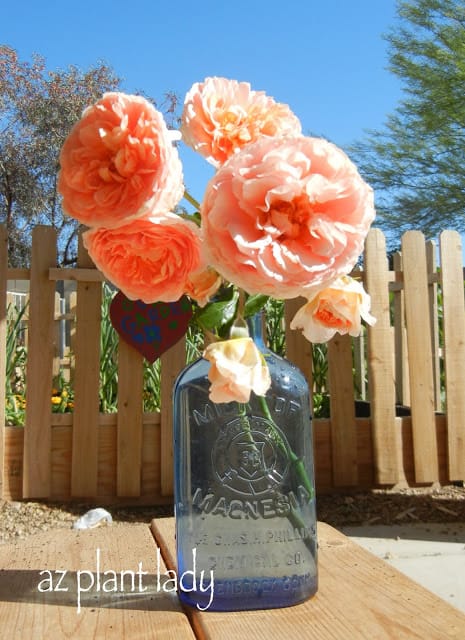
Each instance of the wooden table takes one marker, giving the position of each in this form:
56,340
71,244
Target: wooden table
67,584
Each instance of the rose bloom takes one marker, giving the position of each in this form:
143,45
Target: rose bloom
203,285
149,259
220,116
119,162
336,309
283,216
237,368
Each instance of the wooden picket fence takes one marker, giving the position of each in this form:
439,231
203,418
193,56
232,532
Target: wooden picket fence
127,457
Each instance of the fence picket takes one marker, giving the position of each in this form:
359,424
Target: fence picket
380,363
454,347
342,407
400,338
39,371
420,356
431,264
298,348
84,467
127,458
130,415
172,362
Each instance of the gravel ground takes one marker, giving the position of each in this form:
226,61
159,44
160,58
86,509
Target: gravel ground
19,520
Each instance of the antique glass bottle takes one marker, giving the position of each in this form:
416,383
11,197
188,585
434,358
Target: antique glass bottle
244,497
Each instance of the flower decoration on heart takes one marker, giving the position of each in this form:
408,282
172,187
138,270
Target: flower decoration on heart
284,216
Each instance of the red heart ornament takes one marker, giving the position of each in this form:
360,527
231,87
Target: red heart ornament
150,328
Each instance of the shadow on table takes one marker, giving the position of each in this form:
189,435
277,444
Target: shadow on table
86,590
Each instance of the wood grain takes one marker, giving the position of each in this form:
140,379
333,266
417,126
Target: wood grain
342,408
454,348
119,612
39,370
130,409
381,381
359,597
86,384
172,363
420,357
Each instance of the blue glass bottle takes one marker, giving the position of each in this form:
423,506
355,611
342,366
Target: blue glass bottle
244,492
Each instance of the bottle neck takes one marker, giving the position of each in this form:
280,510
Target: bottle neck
255,325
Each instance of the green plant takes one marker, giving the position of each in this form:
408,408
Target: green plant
16,355
108,390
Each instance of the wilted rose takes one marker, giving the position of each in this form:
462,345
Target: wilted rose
221,116
237,368
119,162
149,259
286,215
337,309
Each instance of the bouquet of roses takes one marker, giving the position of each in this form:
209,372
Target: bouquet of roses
284,215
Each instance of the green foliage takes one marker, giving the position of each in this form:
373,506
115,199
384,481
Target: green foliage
219,314
62,394
16,356
415,164
274,320
37,110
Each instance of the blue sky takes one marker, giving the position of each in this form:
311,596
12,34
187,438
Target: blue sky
326,59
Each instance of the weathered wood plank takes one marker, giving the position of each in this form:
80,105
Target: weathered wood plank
298,348
151,458
431,265
172,363
359,596
400,339
80,274
96,599
39,370
381,382
454,348
86,384
418,321
130,409
342,409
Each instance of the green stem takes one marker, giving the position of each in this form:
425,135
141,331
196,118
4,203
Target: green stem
294,517
191,200
295,460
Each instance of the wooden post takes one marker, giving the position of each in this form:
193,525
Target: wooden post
172,362
400,335
129,422
298,348
454,349
86,384
381,384
418,322
431,265
39,370
3,330
343,426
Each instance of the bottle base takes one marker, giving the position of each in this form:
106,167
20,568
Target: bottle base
247,594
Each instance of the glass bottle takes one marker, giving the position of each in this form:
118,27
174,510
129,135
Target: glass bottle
244,491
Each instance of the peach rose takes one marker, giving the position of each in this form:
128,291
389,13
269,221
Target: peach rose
119,162
286,215
149,259
237,368
336,309
220,116
203,285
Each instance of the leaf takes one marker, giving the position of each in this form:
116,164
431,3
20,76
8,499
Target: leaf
254,304
216,314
